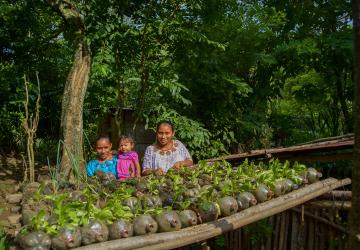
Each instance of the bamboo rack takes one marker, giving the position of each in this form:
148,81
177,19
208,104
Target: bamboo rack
303,152
206,231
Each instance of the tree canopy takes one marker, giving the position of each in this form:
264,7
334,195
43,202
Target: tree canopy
228,73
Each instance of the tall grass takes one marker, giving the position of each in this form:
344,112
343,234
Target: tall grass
76,162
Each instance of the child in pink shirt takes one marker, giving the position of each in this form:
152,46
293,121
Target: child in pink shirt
128,160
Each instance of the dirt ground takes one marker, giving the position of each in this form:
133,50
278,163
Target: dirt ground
11,177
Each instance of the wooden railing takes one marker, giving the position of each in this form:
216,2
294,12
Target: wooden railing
209,230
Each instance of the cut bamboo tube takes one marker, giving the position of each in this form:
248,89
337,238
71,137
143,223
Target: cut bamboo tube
205,231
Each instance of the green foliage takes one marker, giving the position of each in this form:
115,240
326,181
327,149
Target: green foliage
219,242
3,241
228,73
258,231
200,141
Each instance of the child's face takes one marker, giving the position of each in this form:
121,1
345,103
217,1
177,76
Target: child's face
125,146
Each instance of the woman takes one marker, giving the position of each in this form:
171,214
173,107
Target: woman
166,153
105,162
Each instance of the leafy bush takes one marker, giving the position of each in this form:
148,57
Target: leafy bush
201,142
4,245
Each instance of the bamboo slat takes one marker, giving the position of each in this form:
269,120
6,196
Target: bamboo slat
205,231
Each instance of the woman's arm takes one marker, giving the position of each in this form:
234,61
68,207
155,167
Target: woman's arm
90,169
184,154
184,163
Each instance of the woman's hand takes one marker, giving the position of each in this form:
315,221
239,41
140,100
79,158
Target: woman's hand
147,172
178,165
184,163
159,172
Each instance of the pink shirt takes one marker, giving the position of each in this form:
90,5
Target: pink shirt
126,161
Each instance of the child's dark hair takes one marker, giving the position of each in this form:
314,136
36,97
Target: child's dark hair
126,138
168,123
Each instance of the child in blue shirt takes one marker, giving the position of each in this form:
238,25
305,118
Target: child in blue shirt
105,162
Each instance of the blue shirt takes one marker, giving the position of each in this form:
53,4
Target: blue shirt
108,166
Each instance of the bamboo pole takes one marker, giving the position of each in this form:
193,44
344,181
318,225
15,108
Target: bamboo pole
301,238
327,139
311,233
287,227
294,230
226,237
277,231
316,230
238,238
323,232
332,238
337,195
269,239
246,242
205,231
282,236
297,150
341,205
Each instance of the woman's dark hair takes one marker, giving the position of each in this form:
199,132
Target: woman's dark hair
103,137
168,123
126,138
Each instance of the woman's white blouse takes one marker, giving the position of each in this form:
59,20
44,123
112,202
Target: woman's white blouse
154,158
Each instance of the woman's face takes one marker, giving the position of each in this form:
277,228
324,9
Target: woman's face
103,149
164,134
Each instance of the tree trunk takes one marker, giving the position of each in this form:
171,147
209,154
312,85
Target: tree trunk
119,121
75,89
342,99
72,110
354,241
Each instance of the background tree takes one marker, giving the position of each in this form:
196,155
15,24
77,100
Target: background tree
354,241
75,86
228,73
